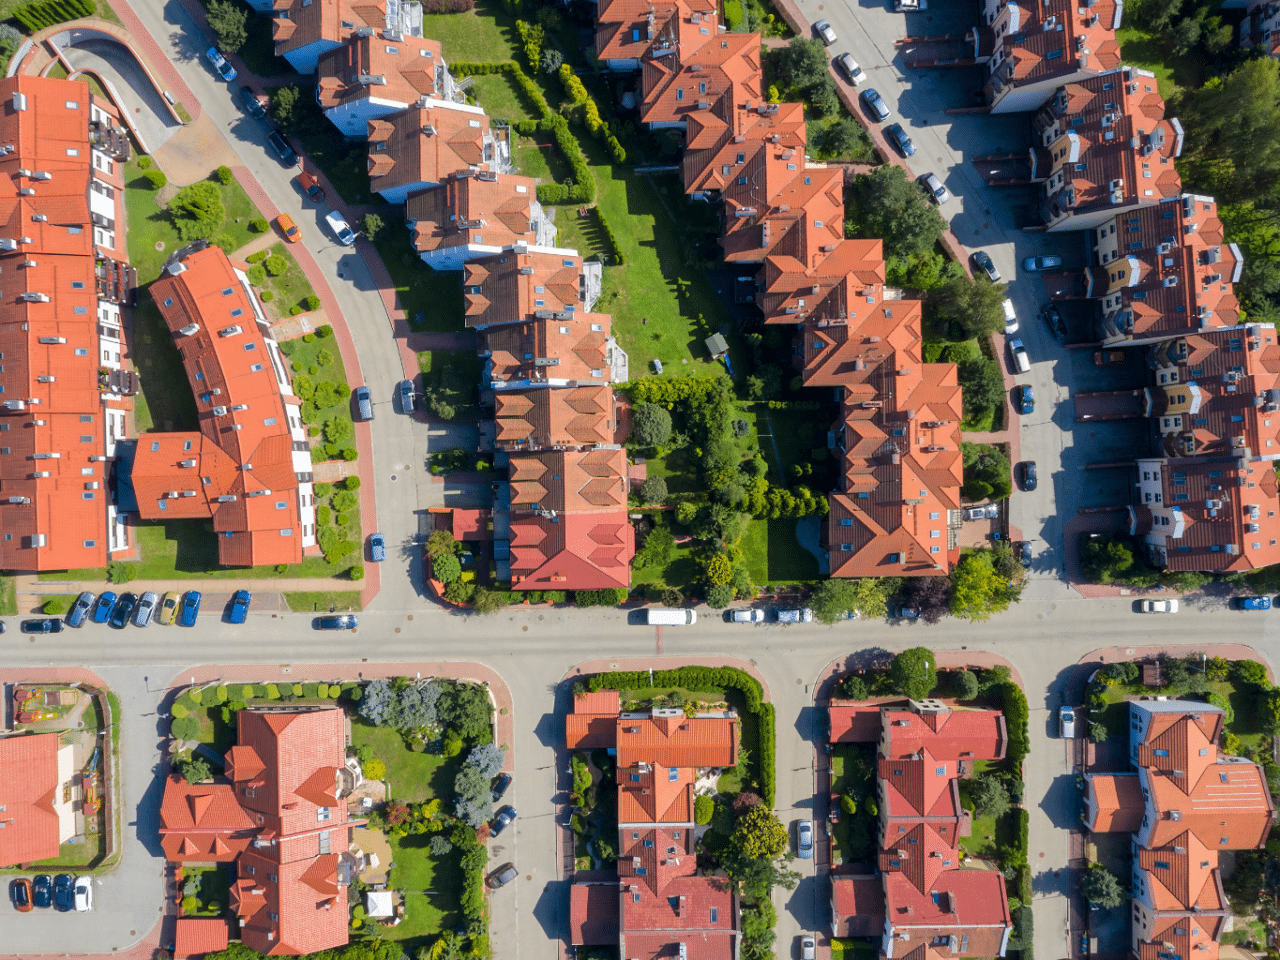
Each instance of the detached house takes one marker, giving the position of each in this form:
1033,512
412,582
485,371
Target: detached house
36,819
658,906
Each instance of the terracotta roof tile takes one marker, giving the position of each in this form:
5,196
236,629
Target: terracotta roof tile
424,144
593,914
404,71
576,551
567,417
195,937
652,793
498,208
677,741
567,350
589,481
28,790
512,286
857,905
854,723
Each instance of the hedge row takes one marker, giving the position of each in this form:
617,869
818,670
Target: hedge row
766,754
615,248
1016,714
45,13
666,390
578,95
794,405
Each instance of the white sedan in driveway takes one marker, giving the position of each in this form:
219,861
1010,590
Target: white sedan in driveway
341,230
1159,606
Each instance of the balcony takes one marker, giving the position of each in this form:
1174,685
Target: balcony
115,280
110,140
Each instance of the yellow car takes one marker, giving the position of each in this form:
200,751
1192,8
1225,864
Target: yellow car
169,608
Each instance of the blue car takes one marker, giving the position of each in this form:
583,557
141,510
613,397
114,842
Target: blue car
64,895
190,608
240,606
900,137
102,609
42,891
1028,399
377,547
1255,603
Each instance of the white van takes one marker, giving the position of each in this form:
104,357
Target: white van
1020,356
1010,317
671,618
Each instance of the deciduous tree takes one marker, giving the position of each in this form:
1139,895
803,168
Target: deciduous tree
974,305
759,834
914,672
227,21
893,207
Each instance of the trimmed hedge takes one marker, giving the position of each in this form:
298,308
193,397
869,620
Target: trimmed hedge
45,13
766,754
1016,714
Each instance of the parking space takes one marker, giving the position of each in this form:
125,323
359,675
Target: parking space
1087,376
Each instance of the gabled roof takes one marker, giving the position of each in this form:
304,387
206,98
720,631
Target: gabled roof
854,723
304,910
724,69
576,551
857,903
784,207
842,282
203,821
593,721
593,914
512,286
299,23
920,854
627,29
566,417
652,793
496,208
1056,38
973,902
1181,743
1115,803
1183,876
718,142
573,348
1188,935
194,937
403,71
28,790
918,786
582,481
1228,808
654,925
948,733
674,740
652,857
425,144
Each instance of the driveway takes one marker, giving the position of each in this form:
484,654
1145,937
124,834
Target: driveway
146,107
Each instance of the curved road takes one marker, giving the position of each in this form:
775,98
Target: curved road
114,62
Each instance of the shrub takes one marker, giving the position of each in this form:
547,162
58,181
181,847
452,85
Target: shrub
356,572
156,178
257,275
224,175
267,296
295,310
351,483
703,810
350,453
313,303
342,519
197,211
258,225
144,162
608,597
719,596
276,265
55,606
324,330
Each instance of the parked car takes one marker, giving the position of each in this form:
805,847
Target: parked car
823,29
377,547
1066,723
901,139
20,894
502,876
1020,358
84,894
311,187
252,105
123,610
288,228
850,68
1026,399
281,146
102,608
1159,606
168,611
910,6
1103,357
80,609
500,786
346,236
1029,475
983,262
1053,318
225,70
406,396
240,601
936,190
979,512
804,615
145,608
505,816
364,403
804,839
1255,603
875,103
190,608
746,616
1024,553
1010,318
42,625
346,621
1036,264
806,948
64,892
42,891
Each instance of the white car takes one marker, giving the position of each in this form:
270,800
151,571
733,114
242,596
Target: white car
1159,606
824,30
84,894
346,236
1067,723
1010,318
936,190
225,70
806,948
804,839
146,607
748,616
851,68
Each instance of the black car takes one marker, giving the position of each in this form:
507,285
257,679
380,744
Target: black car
505,816
1029,475
123,610
42,625
281,146
983,263
500,787
252,105
344,622
64,892
1025,553
1027,399
1053,318
42,891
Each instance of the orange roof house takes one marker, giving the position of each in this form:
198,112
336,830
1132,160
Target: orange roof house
305,29
592,721
1114,802
720,141
569,350
419,147
626,30
593,913
369,77
723,69
280,815
247,467
777,204
575,551
960,903
194,937
1188,935
857,906
562,481
29,786
525,283
60,325
833,283
854,723
568,417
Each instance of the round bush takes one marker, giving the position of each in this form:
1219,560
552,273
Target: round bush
344,391
276,265
313,303
356,572
179,711
257,276
295,310
224,175
313,431
324,329
258,225
144,163
343,519
256,257
308,338
267,296
350,453
351,483
313,369
324,357
297,367
156,178
55,607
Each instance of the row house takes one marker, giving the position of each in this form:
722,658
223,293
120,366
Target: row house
922,903
658,906
1208,500
706,71
421,146
248,467
279,814
565,351
1184,802
627,30
525,283
1261,27
65,387
572,418
304,30
373,76
1038,45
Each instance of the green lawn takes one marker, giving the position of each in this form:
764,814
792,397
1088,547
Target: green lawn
306,360
411,776
853,950
481,35
338,601
8,597
150,224
1138,48
212,897
431,299
502,99
683,571
774,555
162,378
216,732
288,289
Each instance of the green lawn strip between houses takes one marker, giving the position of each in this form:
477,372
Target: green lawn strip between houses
337,601
288,290
430,299
304,359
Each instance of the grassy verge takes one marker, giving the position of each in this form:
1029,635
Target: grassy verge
287,290
339,601
164,389
774,554
8,597
431,299
321,362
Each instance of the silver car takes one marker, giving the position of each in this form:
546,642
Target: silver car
824,30
804,839
146,607
806,948
936,190
851,68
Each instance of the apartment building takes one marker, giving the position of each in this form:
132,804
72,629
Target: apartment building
922,903
658,906
371,76
421,146
718,141
65,387
701,69
526,284
1184,802
248,467
279,813
1261,27
303,30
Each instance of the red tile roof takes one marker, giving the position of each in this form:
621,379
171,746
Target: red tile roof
601,701
496,208
580,481
569,350
593,721
677,741
425,144
783,207
203,821
1183,876
652,925
1115,803
947,733
1228,808
918,786
593,914
195,937
575,551
833,283
511,286
724,69
239,469
920,854
28,790
719,142
857,903
653,857
402,71
565,417
970,903
652,793
302,911
854,723
299,23
627,29
1187,935
1182,743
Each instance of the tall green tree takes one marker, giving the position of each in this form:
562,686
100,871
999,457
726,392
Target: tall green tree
914,672
976,306
1102,887
835,598
977,589
759,834
228,22
894,208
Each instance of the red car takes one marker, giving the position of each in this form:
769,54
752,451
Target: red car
20,894
311,186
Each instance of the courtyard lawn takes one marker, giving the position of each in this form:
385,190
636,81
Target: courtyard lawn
216,732
502,99
453,377
681,572
430,887
212,899
165,390
411,776
482,35
306,360
431,299
287,290
8,597
1246,724
774,554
